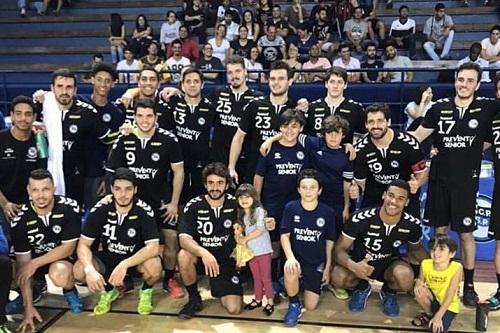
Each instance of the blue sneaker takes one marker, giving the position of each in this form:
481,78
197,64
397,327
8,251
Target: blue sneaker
293,314
357,303
15,307
73,299
390,303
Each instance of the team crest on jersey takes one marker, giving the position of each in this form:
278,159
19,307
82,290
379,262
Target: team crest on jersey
296,218
228,224
131,232
396,243
235,279
73,129
277,156
32,153
106,117
473,123
155,157
57,229
201,121
394,164
300,155
320,222
467,221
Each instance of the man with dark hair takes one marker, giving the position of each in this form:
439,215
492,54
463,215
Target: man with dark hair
403,31
271,46
126,229
372,62
18,157
346,61
189,48
207,239
335,103
152,58
209,63
375,235
439,32
459,126
151,153
474,56
282,28
176,62
128,64
491,47
44,236
356,29
396,61
385,155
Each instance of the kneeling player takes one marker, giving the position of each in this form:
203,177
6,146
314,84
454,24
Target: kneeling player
307,234
127,230
44,235
375,234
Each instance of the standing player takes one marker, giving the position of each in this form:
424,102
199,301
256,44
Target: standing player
151,153
207,240
375,235
385,155
307,234
459,126
129,237
334,103
260,120
44,236
18,157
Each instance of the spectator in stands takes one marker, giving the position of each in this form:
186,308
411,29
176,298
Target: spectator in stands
491,47
227,7
372,62
316,8
24,5
342,12
356,29
152,58
169,30
474,56
219,43
176,62
128,64
194,20
439,32
142,36
316,62
242,45
347,62
305,41
46,4
376,27
97,58
326,33
264,13
254,65
252,26
271,47
403,31
396,61
208,63
294,63
231,26
417,109
190,47
116,37
282,28
295,14
388,5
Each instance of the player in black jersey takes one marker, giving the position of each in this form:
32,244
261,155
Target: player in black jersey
459,126
194,117
44,236
375,235
151,153
128,235
335,103
207,239
18,157
78,121
384,155
260,120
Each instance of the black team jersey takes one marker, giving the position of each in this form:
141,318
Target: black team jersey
350,110
17,160
375,240
121,235
150,160
38,235
210,227
458,135
494,139
229,108
165,117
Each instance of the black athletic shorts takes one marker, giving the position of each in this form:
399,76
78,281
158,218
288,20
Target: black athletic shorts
227,282
494,229
311,277
107,263
42,271
381,266
452,204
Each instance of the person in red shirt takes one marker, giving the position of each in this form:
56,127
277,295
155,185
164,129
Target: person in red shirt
190,48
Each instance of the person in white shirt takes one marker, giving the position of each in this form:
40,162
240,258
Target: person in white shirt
169,30
403,31
347,62
474,52
417,109
491,47
254,65
220,44
177,62
128,64
231,26
396,61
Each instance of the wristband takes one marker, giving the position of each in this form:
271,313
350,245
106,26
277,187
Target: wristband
88,269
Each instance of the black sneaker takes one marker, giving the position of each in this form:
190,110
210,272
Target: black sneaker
190,309
470,297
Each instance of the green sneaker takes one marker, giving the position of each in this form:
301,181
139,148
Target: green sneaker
145,305
340,293
4,329
104,304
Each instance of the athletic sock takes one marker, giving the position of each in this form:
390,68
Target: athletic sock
385,288
193,292
109,287
70,290
294,299
468,278
145,285
362,285
169,273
